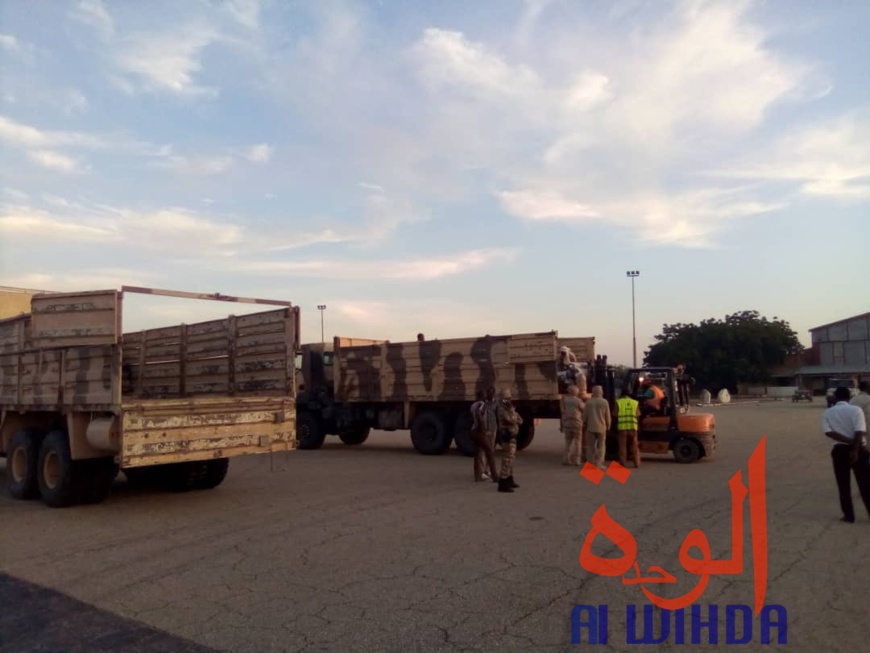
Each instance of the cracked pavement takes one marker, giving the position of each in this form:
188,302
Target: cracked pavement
376,548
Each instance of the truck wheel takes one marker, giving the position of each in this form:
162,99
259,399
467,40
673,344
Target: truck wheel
142,477
184,477
429,434
309,431
356,435
527,432
215,473
22,465
56,473
95,478
687,450
462,433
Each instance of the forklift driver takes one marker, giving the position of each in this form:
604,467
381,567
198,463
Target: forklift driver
652,396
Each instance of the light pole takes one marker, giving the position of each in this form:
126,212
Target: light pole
321,308
633,274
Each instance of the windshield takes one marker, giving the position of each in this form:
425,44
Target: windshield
841,383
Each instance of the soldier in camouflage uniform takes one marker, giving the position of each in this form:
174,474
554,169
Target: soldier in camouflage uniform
491,421
508,429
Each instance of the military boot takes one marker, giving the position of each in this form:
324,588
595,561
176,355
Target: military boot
504,485
511,481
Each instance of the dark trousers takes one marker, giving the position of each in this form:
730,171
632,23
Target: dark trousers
484,456
842,465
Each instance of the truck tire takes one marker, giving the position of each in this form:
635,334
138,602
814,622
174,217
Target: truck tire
356,435
527,432
56,472
429,434
143,477
309,431
183,477
687,450
22,465
215,473
95,478
462,433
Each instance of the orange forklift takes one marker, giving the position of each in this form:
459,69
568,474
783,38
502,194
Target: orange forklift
671,428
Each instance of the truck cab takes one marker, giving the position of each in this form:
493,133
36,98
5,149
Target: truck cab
318,413
840,382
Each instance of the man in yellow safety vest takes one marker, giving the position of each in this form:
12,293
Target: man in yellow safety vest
627,412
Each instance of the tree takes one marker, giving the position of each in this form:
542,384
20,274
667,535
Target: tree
742,348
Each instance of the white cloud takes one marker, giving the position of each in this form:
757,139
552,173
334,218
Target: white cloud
161,230
93,13
688,219
197,165
169,61
588,91
9,42
75,102
24,223
27,136
589,125
448,59
373,187
544,206
828,159
16,194
261,153
82,280
246,12
424,269
52,160
176,229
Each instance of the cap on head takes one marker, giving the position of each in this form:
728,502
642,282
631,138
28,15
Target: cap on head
842,394
505,394
564,350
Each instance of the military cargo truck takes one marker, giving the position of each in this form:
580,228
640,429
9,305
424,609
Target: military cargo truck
81,400
350,386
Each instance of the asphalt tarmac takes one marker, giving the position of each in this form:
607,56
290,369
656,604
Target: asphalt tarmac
377,548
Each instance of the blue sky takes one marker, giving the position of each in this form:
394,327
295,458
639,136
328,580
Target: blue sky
456,168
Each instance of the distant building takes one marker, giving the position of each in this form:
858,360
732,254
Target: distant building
14,301
839,350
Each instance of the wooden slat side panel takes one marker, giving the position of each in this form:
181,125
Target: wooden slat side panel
238,356
39,382
72,319
12,334
583,348
88,375
450,370
9,379
160,432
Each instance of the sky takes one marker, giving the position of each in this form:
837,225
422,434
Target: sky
452,168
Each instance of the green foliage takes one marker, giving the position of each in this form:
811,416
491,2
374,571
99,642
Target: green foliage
742,348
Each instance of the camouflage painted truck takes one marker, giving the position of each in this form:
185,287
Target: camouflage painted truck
81,400
352,385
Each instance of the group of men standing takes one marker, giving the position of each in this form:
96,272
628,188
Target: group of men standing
493,419
585,425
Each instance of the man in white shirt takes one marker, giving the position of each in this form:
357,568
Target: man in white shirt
845,424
